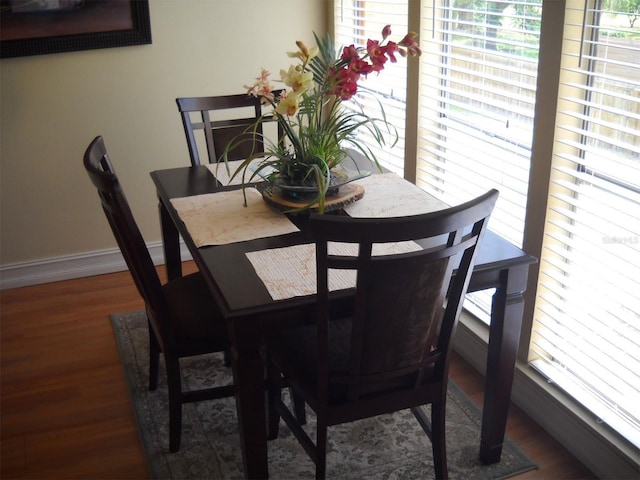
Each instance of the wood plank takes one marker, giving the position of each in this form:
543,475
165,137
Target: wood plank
65,406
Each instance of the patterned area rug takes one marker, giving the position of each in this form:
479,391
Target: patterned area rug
384,447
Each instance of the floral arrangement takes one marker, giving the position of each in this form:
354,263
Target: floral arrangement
317,114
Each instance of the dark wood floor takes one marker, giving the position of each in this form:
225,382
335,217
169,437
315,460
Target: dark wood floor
65,409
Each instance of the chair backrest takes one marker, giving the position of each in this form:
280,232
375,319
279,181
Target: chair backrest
241,112
406,304
123,225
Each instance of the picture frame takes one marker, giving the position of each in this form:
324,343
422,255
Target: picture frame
54,26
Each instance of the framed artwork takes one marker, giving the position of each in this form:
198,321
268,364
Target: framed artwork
38,27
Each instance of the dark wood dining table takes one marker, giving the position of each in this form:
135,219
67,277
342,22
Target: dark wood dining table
250,311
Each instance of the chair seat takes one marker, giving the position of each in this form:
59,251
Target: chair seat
195,316
299,344
295,352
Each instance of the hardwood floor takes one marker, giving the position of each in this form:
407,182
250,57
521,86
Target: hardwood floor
65,410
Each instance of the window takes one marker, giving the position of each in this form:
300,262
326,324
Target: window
354,22
477,93
477,98
586,332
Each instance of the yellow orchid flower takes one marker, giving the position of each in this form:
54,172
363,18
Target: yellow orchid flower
289,105
298,80
304,53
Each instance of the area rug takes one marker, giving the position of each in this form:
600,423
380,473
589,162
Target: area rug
385,447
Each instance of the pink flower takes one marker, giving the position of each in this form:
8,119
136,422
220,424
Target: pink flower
262,87
386,31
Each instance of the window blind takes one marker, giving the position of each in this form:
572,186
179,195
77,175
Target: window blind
477,92
355,21
586,332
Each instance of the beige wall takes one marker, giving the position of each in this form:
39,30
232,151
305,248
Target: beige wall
52,106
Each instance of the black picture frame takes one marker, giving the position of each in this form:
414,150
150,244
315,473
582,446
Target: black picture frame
51,39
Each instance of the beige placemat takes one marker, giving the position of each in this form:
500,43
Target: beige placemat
291,271
219,218
224,171
389,195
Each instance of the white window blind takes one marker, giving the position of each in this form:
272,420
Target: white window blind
477,92
355,21
586,333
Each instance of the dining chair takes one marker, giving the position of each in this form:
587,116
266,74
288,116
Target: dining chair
183,318
391,349
221,120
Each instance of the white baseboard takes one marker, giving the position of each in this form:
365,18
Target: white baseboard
602,451
73,266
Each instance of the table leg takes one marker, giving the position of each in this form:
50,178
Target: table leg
504,335
171,244
248,377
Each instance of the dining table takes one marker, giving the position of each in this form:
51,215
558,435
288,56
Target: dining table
251,260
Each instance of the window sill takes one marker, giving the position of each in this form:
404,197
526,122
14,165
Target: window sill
600,449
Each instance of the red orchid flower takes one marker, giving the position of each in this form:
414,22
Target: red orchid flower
360,67
409,41
346,84
349,53
376,54
392,48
